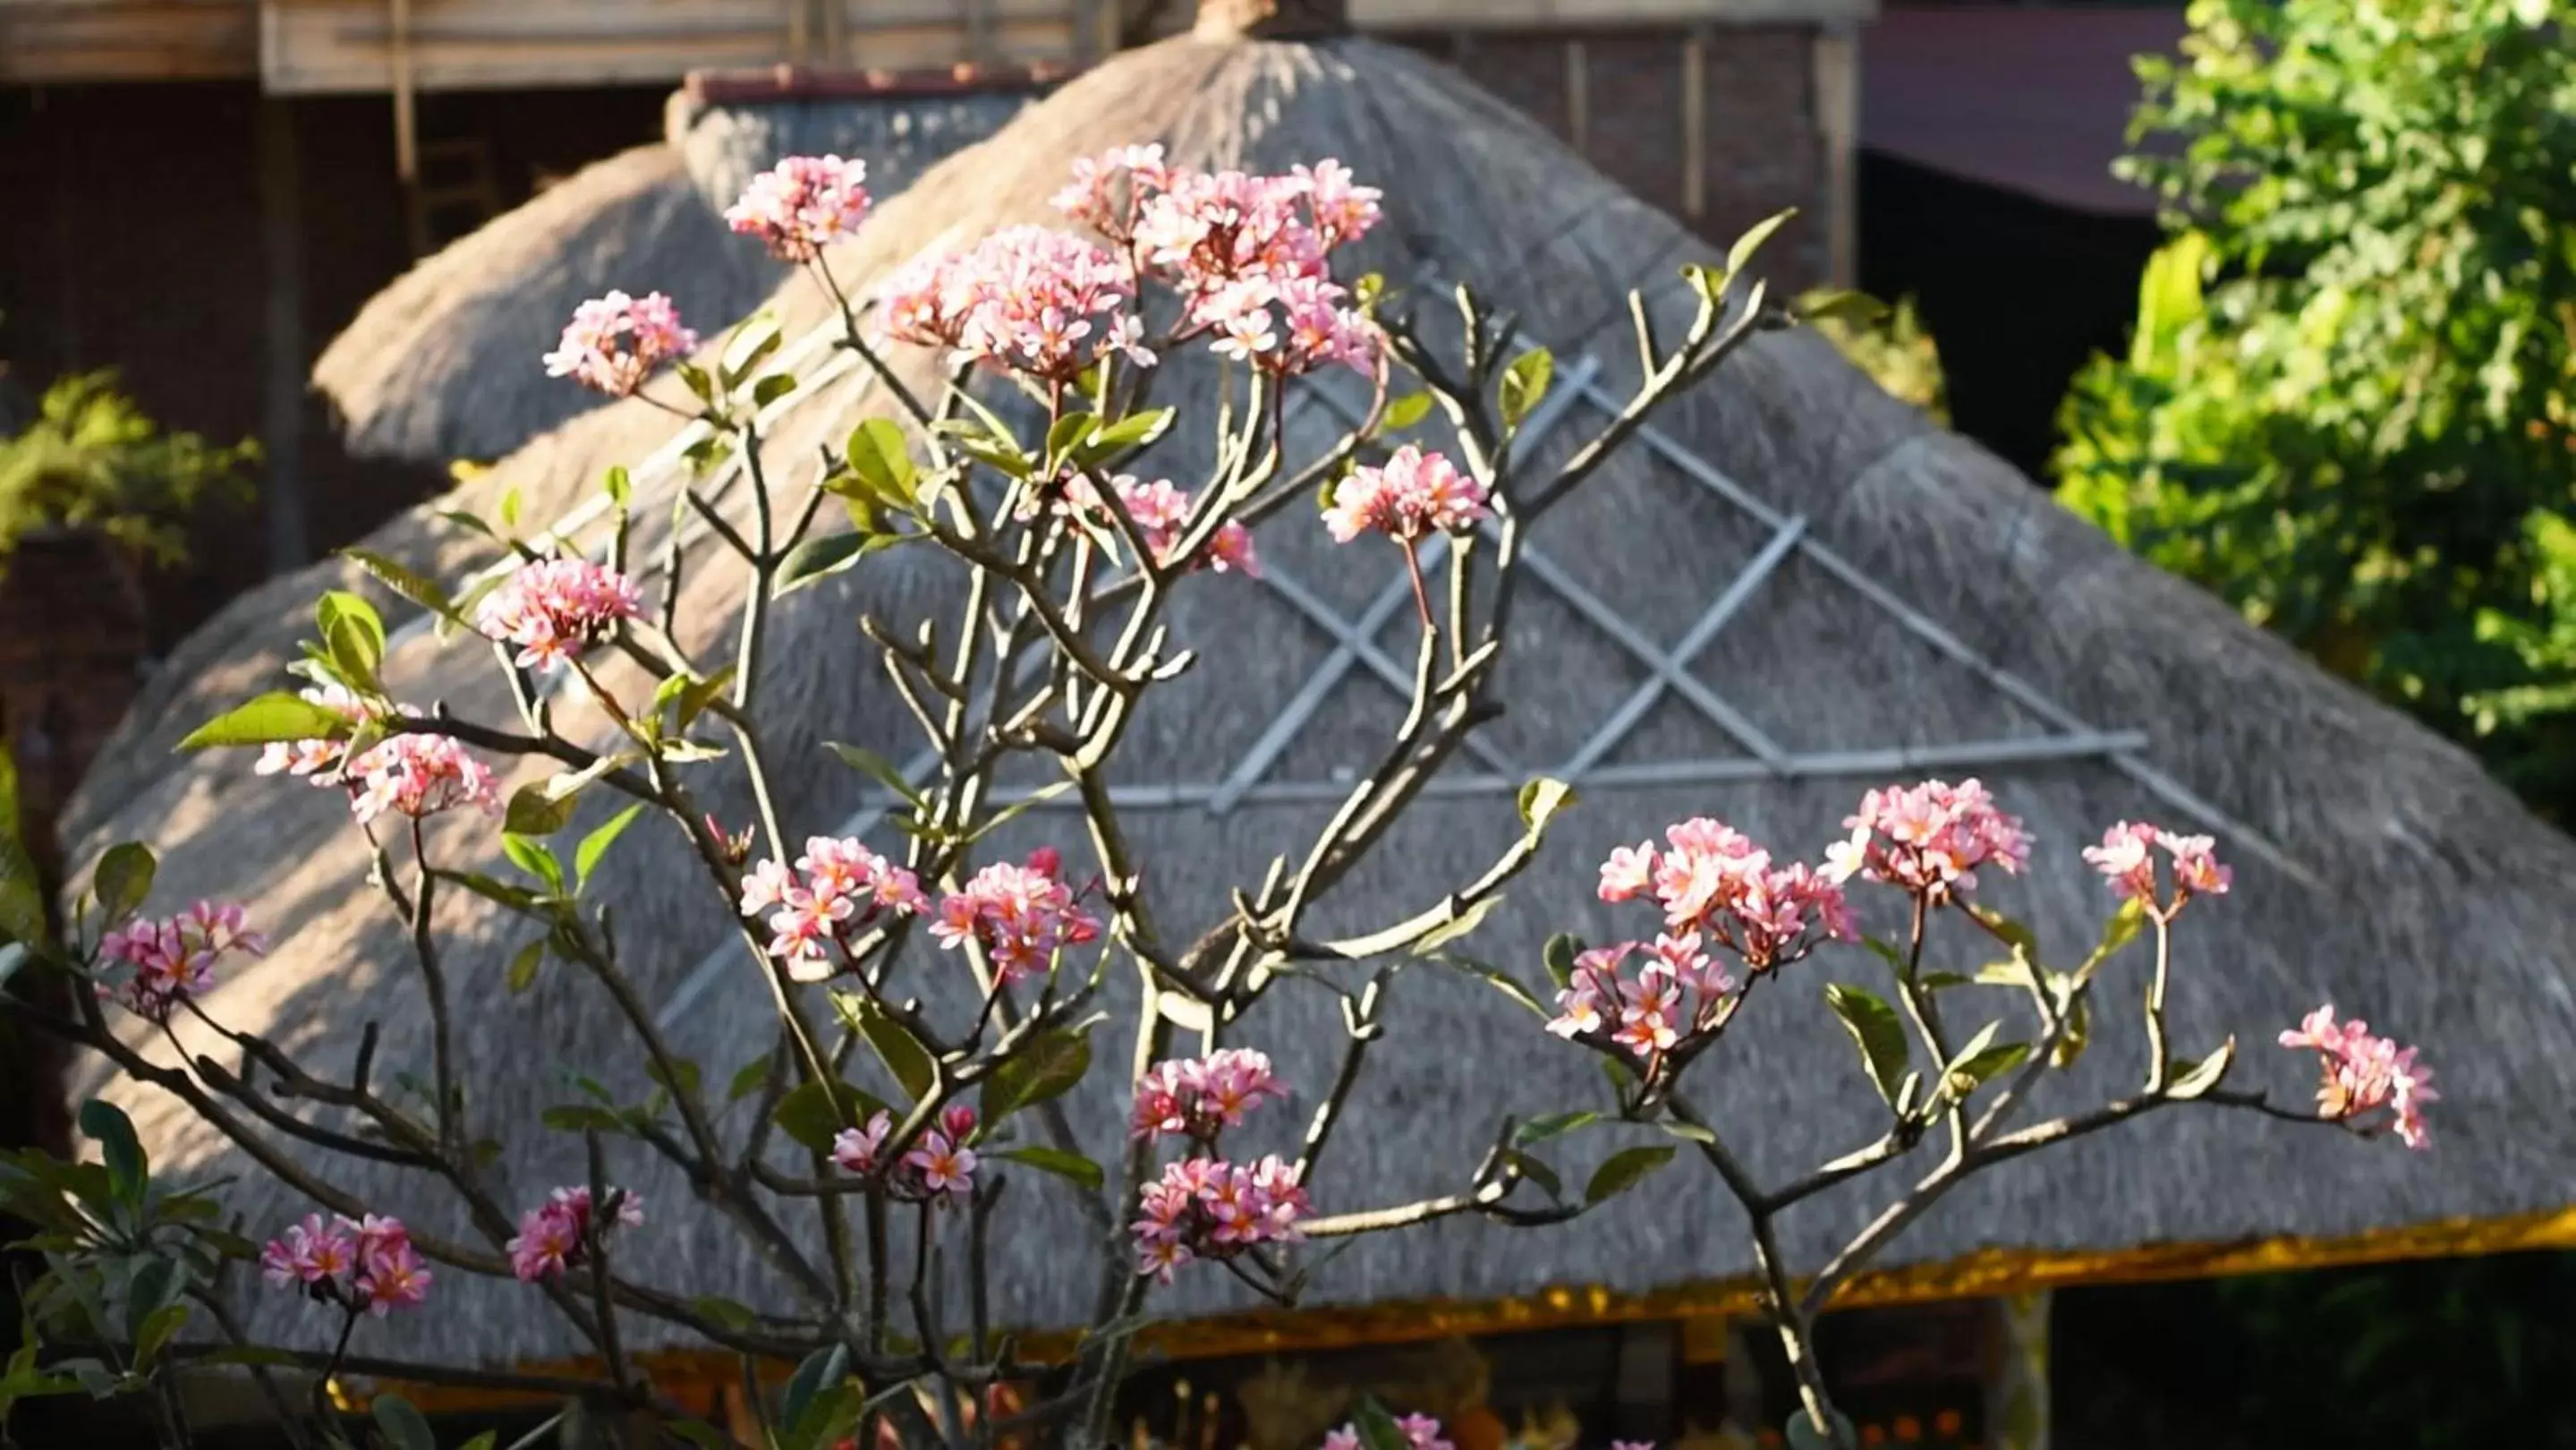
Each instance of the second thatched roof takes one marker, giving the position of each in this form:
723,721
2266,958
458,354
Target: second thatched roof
1895,602
428,370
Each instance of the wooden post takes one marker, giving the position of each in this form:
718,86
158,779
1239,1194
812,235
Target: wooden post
1578,98
2017,1383
1837,86
1695,123
406,111
281,227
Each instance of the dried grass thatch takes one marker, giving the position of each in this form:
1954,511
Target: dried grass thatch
430,369
2377,867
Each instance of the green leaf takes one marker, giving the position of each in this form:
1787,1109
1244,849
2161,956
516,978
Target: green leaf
681,1079
2121,929
274,716
507,511
881,459
1802,1434
155,1332
1047,1068
1377,1429
1942,981
123,879
1404,412
1015,810
1841,304
817,559
875,767
105,1124
585,857
1058,1162
517,898
2191,1080
747,1079
1137,430
752,342
2012,933
1496,978
1525,382
823,1369
619,485
1751,242
1624,1170
1559,955
352,635
1459,927
723,1311
1541,799
1977,1069
987,445
534,811
2079,1031
1875,1030
523,967
1067,430
403,1426
697,380
1552,1125
1536,1171
694,696
772,388
533,858
419,588
806,1113
582,1118
22,891
896,1047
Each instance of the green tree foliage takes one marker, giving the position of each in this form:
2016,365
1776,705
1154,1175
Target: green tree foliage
2350,403
90,460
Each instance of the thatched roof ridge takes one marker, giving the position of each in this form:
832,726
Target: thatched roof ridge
2420,893
427,369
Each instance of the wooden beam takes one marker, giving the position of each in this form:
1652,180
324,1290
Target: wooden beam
406,107
1578,98
1600,14
1695,123
281,235
1837,90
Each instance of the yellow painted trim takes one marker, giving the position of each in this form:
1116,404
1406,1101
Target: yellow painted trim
695,1377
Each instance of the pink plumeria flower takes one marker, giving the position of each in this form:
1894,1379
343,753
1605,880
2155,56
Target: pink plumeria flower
2360,1075
1421,1432
2124,858
318,760
945,1166
158,965
1414,494
839,888
802,205
1022,300
1197,1097
614,343
556,1235
417,774
1021,915
394,1278
1929,839
553,609
858,1150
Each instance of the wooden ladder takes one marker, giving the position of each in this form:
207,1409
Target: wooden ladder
453,190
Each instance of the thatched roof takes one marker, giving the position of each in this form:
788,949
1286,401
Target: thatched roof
1933,601
427,371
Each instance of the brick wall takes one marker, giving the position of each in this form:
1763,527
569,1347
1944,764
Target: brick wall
1761,150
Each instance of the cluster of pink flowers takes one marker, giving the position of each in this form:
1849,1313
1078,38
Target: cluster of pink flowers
1248,254
937,1168
172,960
839,887
1928,838
319,760
1161,510
1025,299
614,343
1680,992
2123,858
2360,1074
1196,1098
802,205
1207,1208
1421,1432
1023,915
418,774
556,1235
552,608
366,1264
1414,494
1714,881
